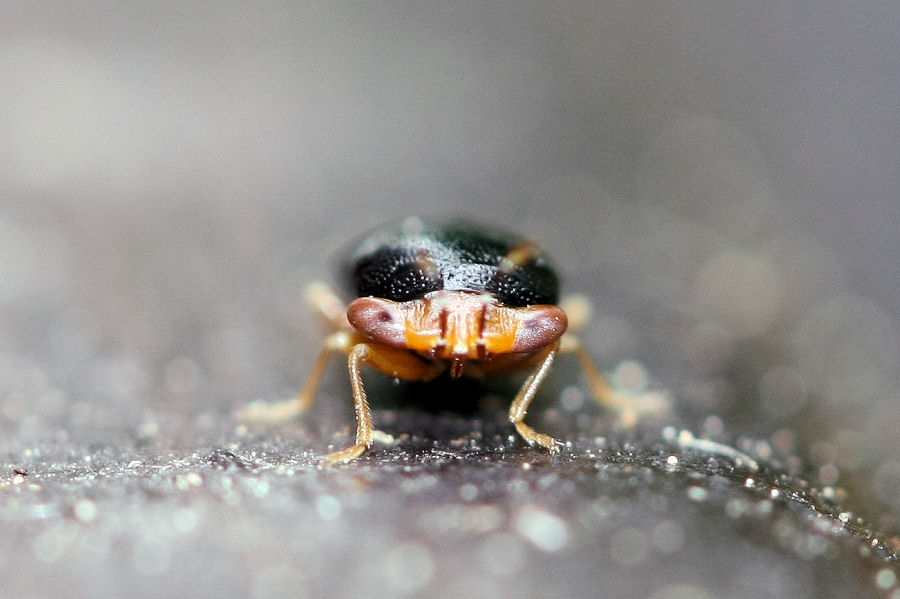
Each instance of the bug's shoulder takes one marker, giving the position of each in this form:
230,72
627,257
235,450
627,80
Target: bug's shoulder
406,260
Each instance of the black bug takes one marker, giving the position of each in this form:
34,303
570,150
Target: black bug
434,297
403,264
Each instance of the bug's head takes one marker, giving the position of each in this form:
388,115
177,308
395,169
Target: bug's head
457,325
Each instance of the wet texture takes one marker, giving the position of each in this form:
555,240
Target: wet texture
472,512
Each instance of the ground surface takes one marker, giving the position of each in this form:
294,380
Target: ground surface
471,512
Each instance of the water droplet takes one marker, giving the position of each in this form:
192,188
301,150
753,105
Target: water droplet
85,510
468,492
328,507
885,578
547,531
695,493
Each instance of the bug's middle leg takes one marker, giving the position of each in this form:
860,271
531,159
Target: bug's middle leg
629,405
393,362
325,301
578,311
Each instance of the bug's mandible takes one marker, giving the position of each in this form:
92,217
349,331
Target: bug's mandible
434,297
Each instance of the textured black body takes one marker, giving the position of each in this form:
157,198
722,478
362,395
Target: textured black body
404,261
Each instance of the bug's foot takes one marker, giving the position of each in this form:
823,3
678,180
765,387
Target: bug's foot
535,438
343,456
632,406
262,412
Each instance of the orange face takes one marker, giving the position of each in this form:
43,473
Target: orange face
457,325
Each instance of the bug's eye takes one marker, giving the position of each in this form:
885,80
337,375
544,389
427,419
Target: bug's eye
378,319
539,327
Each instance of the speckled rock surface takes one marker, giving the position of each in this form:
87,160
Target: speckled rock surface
481,517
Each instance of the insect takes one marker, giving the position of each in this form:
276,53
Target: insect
436,297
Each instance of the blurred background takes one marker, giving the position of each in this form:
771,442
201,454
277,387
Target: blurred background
720,179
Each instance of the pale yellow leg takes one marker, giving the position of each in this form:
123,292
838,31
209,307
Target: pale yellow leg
578,311
392,362
629,405
519,406
327,303
599,385
283,411
521,255
320,297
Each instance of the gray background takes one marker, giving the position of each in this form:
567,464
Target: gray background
720,179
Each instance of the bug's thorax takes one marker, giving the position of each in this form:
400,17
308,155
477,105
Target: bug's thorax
457,325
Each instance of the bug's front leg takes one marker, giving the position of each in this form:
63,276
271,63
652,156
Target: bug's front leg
393,362
519,406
